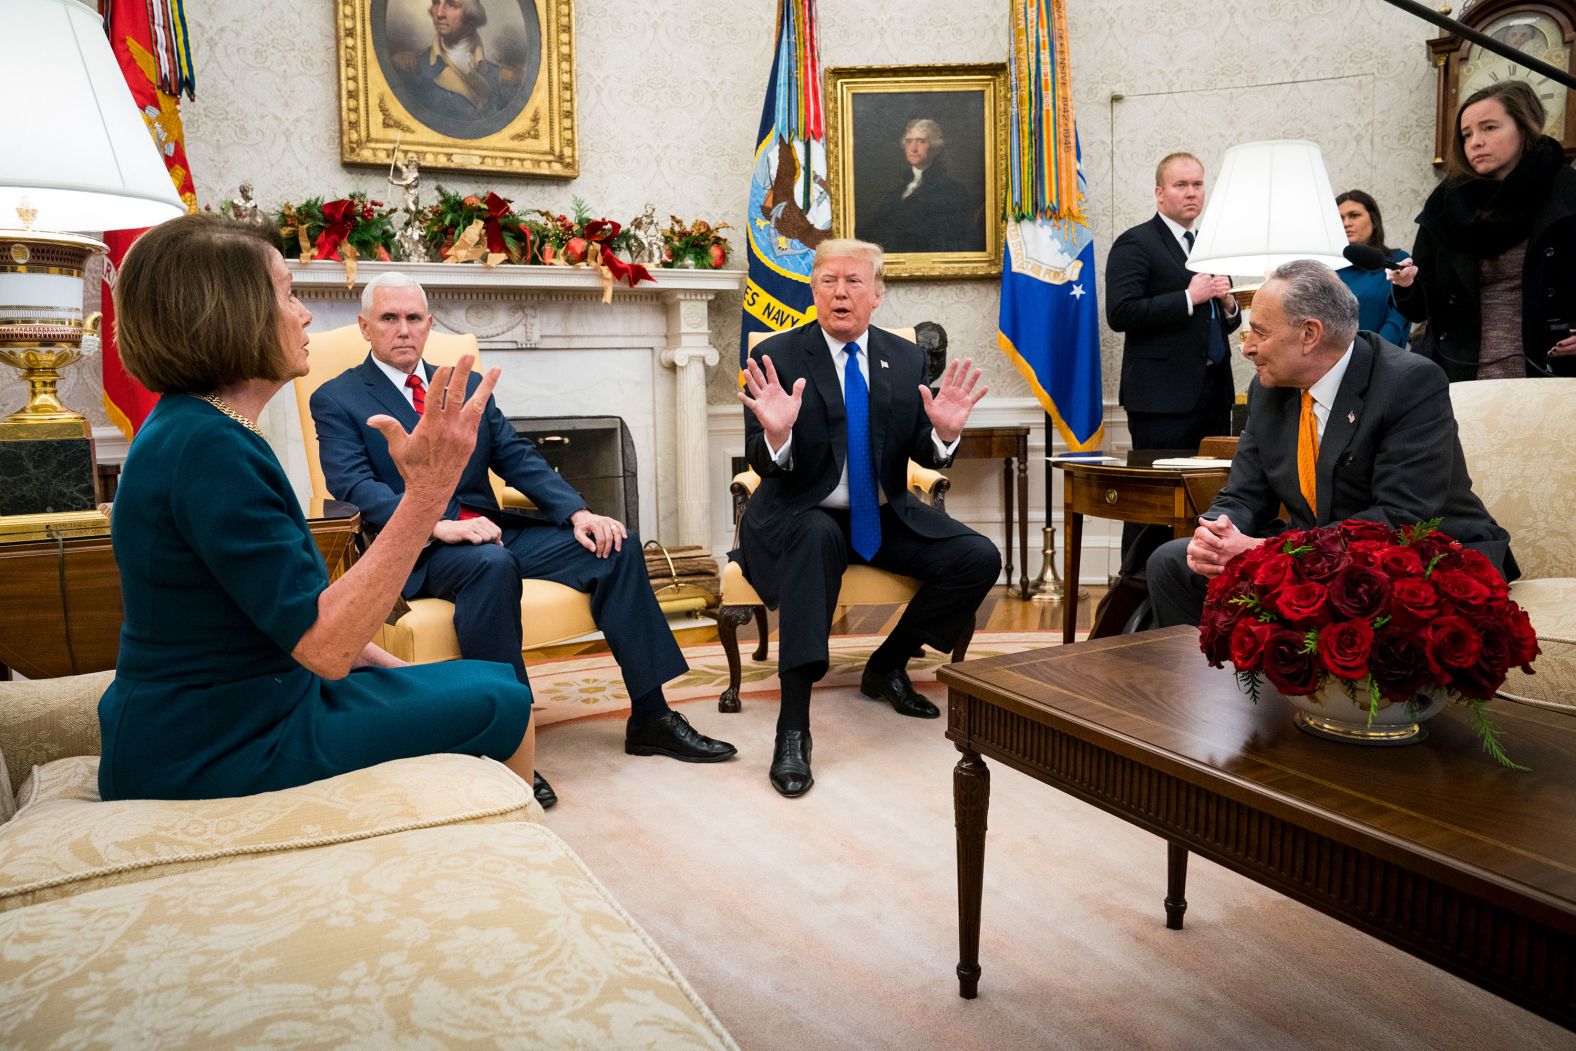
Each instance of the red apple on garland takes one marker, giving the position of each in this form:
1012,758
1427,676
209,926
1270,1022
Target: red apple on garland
719,255
575,250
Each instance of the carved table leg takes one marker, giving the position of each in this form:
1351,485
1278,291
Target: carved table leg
1176,885
970,801
728,620
760,629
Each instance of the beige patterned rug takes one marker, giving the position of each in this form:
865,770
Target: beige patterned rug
588,687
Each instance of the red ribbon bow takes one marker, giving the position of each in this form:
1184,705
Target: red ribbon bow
602,231
497,208
338,217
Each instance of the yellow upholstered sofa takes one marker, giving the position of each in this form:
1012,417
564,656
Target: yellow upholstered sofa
416,903
1517,434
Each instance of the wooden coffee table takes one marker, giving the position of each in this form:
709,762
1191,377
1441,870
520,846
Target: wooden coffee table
1432,847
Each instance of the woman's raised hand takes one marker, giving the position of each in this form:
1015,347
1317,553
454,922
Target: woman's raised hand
431,457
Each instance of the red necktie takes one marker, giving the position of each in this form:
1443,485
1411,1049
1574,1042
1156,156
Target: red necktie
418,393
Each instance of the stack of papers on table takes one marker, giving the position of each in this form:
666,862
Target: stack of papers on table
1193,463
1092,457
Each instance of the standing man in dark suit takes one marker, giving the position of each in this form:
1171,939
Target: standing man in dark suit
834,411
1340,425
1176,366
473,561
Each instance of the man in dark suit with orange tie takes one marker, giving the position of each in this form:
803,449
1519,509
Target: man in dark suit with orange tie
1340,425
835,409
1176,366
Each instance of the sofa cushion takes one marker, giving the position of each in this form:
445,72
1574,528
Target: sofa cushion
1550,603
490,936
46,719
65,841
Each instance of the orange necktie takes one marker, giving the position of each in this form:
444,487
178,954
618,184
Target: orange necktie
1308,454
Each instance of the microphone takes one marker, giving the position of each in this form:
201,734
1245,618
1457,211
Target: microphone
1367,257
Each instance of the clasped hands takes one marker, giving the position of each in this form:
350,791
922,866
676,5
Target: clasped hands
1204,287
1216,542
777,409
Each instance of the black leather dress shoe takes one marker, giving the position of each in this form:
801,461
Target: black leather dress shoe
674,737
543,791
791,763
893,686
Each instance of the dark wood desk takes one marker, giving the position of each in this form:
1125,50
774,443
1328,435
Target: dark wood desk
1152,495
60,605
1433,847
1010,445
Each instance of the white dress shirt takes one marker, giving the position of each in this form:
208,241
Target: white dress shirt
1177,231
397,378
1325,389
838,497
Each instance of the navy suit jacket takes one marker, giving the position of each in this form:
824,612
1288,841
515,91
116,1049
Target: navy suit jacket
1389,454
899,431
357,466
1166,350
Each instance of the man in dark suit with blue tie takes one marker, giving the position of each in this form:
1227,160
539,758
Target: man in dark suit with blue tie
1176,367
835,409
1340,425
475,562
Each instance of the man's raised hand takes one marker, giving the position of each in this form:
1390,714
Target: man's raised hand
774,408
950,406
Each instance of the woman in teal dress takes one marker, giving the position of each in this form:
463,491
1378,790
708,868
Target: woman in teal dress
241,668
1376,309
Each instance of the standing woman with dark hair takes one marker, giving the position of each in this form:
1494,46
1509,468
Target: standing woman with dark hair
1376,309
1494,268
241,668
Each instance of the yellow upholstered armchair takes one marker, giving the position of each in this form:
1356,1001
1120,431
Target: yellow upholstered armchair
862,585
422,631
1517,435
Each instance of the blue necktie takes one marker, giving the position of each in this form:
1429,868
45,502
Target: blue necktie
1217,338
864,513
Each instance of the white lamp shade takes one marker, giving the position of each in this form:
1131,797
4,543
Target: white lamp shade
1271,204
76,146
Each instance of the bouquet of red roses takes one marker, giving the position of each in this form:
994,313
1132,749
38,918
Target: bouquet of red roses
1387,612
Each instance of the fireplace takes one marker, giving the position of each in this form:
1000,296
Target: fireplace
595,455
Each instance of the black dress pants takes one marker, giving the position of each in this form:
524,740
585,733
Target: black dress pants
955,574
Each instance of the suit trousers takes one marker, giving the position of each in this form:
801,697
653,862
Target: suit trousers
1175,592
483,582
955,573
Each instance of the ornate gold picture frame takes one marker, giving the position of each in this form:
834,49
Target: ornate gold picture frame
917,157
463,85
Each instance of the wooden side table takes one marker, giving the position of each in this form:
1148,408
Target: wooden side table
1153,495
1011,446
60,603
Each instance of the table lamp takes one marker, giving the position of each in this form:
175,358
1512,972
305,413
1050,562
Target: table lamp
79,157
1271,204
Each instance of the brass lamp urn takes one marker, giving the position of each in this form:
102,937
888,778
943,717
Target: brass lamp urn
42,326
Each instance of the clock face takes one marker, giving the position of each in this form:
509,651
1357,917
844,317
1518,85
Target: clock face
1533,34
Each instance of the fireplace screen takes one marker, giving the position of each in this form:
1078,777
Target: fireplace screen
595,454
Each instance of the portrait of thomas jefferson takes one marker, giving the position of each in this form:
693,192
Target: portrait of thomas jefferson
465,68
919,172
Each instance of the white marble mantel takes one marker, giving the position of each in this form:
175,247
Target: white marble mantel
563,351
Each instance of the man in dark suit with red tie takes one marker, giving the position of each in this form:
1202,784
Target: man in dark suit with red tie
835,409
476,562
1176,366
1340,425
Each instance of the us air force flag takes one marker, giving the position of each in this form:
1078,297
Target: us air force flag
790,211
1050,323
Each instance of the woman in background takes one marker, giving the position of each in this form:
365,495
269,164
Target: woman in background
241,668
1494,267
1376,309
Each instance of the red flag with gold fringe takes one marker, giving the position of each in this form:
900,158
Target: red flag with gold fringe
149,40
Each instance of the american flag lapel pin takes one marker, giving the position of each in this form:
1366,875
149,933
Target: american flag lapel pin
1351,417
885,365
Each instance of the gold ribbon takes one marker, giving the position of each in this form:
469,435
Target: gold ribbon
347,255
471,247
307,249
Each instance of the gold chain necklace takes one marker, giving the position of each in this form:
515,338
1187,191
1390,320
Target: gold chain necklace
218,403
